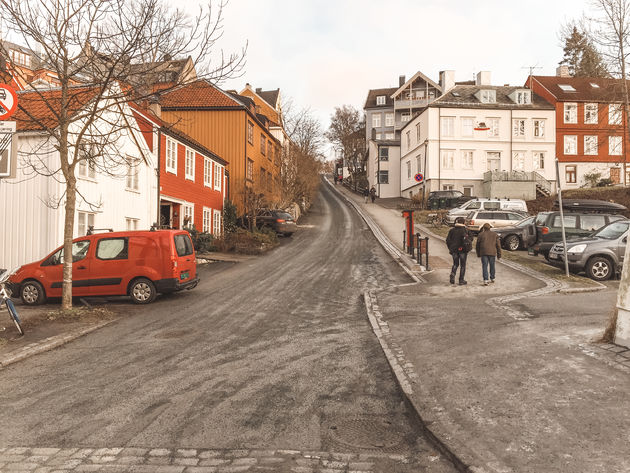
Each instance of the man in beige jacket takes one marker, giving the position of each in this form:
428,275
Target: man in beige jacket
488,249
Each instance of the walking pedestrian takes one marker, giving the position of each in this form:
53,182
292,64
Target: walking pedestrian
459,243
373,194
488,249
366,195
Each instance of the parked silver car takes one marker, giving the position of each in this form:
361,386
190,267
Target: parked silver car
599,255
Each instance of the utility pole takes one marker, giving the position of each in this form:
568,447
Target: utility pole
531,71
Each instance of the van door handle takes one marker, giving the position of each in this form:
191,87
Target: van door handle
81,267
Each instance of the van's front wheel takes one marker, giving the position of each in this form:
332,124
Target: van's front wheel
142,291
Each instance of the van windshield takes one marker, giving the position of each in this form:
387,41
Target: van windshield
474,204
612,231
183,245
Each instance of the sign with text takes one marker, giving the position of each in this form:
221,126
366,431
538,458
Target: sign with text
8,150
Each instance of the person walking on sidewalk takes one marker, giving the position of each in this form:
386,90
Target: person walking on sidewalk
459,243
488,249
373,194
366,195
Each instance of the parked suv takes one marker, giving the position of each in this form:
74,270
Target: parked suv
599,255
135,263
485,204
520,235
496,218
577,224
446,199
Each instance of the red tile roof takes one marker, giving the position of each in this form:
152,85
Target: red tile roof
605,90
198,94
39,110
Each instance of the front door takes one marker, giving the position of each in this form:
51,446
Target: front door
165,215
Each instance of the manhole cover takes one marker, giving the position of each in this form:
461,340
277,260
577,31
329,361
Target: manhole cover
172,334
364,432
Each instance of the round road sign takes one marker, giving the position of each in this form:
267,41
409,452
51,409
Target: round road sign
8,101
419,177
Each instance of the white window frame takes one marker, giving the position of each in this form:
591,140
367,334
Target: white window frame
376,120
468,123
570,112
488,96
518,128
171,156
133,174
380,100
216,222
523,97
615,145
447,159
389,119
188,210
217,177
570,144
408,135
84,221
518,160
87,170
405,117
539,160
590,145
539,128
131,223
614,114
189,172
207,220
408,169
570,169
468,158
493,127
207,172
389,135
448,126
418,132
493,156
590,113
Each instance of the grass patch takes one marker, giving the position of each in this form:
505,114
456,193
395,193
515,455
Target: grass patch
248,243
547,269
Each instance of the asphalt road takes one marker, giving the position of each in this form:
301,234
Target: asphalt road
272,353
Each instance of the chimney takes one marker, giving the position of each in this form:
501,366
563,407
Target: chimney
401,81
483,78
248,86
563,71
258,90
155,107
447,80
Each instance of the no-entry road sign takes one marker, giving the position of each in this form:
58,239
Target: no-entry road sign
8,101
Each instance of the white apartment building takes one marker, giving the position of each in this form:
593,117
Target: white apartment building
483,140
383,167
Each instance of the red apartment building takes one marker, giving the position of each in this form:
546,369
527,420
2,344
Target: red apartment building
192,179
591,134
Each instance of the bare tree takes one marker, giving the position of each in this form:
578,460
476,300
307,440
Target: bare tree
121,52
347,132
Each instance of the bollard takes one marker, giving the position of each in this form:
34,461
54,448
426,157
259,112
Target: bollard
404,239
419,253
426,244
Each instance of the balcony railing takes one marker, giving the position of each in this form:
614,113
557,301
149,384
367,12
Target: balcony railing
540,181
415,103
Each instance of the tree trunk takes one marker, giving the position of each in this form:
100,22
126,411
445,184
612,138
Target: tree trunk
68,232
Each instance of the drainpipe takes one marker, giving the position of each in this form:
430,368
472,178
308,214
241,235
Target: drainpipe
511,142
439,147
378,168
159,157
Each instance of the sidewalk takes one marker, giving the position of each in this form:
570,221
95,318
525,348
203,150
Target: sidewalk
504,375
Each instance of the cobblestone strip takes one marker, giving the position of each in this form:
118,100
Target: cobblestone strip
48,344
164,460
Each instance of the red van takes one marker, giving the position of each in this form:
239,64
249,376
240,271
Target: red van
135,263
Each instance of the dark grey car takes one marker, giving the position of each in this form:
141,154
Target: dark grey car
521,235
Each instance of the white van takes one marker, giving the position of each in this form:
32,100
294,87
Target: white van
485,204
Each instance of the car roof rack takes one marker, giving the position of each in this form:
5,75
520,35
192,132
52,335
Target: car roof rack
91,230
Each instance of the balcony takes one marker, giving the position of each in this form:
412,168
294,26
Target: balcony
414,103
541,185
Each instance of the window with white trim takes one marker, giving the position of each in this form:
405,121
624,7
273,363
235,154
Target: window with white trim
408,135
539,160
263,144
493,127
518,128
250,170
518,161
408,169
467,159
380,100
405,117
389,136
217,177
85,220
467,126
448,126
87,169
376,120
570,112
216,223
614,146
523,97
131,223
190,164
614,114
207,220
590,113
590,145
389,119
171,156
250,132
133,171
448,159
418,132
570,174
488,96
188,215
207,172
570,144
493,160
539,128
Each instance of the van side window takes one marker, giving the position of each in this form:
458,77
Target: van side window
183,245
112,248
474,205
491,205
79,251
592,222
570,221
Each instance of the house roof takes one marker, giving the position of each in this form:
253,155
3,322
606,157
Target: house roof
370,101
416,76
605,90
40,109
463,96
270,96
200,94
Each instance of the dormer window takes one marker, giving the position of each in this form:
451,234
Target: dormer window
566,87
523,97
488,96
380,100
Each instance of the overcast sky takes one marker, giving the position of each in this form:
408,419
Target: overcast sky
326,53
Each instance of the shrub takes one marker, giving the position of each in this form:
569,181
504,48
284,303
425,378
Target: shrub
230,223
202,241
592,179
605,182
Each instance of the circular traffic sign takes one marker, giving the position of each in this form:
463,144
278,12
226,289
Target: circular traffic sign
419,177
8,101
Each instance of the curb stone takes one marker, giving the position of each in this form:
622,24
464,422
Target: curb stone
48,344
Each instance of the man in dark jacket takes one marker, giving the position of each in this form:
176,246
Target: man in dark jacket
488,249
457,249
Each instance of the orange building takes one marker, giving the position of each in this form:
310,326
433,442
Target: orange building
229,125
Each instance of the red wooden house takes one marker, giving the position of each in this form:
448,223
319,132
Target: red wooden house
591,135
192,183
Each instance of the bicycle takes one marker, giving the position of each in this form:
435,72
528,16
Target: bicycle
5,297
437,219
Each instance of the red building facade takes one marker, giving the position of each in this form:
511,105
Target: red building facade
591,136
193,182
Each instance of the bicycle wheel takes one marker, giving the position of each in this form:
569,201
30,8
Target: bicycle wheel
14,315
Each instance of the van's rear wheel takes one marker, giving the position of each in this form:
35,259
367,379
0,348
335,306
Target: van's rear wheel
142,291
